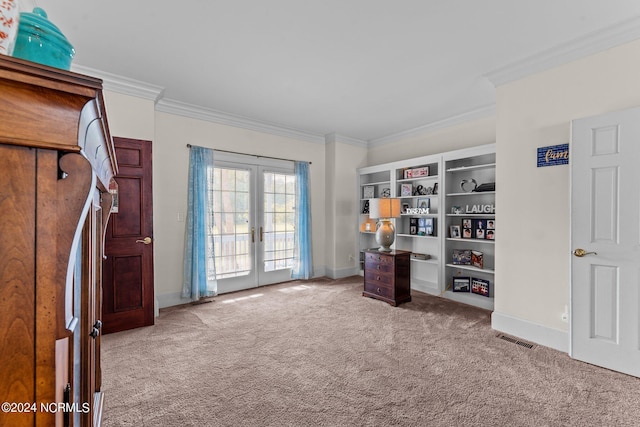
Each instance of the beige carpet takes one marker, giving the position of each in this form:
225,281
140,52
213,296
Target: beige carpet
320,354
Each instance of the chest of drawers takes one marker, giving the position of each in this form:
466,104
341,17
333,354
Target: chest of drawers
387,276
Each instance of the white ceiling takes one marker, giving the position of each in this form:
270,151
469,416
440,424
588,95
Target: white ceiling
362,69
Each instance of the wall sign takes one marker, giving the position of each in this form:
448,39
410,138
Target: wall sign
553,155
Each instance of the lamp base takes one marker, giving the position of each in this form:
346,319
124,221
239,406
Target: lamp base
385,235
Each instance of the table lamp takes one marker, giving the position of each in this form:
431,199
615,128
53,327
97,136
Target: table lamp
384,210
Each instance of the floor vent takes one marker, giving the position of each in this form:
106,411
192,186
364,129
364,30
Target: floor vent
515,341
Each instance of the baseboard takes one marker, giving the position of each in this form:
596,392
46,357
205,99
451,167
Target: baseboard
530,331
171,299
339,273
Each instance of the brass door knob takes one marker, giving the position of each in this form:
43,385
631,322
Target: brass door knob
581,252
146,241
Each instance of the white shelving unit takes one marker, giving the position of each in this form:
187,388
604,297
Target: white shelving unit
440,190
464,170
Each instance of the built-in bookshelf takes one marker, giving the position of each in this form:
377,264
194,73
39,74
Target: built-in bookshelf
430,188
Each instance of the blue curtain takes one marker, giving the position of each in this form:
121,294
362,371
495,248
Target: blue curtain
198,282
302,260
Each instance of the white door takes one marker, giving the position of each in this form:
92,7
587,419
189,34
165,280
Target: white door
254,218
605,234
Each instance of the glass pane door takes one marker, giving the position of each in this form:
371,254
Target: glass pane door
252,240
278,222
232,239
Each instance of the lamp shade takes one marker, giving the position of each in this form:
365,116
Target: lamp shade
384,208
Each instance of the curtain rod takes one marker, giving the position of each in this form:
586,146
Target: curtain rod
254,155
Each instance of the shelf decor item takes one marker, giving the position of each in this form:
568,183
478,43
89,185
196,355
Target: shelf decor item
406,190
477,259
368,192
461,256
454,231
480,287
384,210
40,41
468,185
461,284
416,172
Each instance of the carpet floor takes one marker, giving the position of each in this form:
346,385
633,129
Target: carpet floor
318,353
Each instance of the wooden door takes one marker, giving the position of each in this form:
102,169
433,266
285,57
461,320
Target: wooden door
605,234
128,300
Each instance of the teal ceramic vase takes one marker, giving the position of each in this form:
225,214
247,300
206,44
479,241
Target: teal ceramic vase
40,41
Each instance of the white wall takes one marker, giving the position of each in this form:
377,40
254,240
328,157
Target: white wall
533,252
171,163
342,160
469,134
130,117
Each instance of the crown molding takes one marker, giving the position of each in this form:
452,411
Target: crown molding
478,113
123,85
196,112
334,137
590,44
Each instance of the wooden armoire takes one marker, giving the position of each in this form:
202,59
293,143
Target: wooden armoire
57,165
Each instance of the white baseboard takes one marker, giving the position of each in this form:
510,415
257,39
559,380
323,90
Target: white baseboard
339,273
171,299
530,331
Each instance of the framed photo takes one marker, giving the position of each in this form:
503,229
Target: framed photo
461,284
429,226
491,224
462,256
385,193
479,233
466,233
413,226
406,190
454,232
490,235
467,223
480,287
368,192
423,203
422,227
405,207
477,259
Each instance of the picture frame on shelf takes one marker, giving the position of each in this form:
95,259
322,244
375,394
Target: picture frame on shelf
368,192
461,284
413,226
422,227
429,226
479,233
423,203
405,208
477,259
491,224
385,193
454,232
406,190
461,256
480,287
466,233
467,223
490,235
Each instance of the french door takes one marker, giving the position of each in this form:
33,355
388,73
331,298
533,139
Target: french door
251,242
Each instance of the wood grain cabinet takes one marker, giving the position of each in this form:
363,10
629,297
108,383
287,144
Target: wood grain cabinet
387,276
57,167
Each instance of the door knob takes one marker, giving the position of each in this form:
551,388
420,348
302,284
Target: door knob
581,252
146,241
